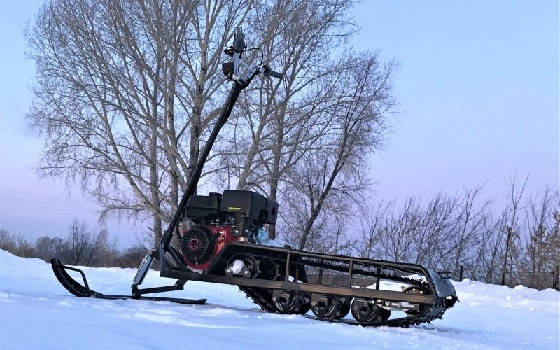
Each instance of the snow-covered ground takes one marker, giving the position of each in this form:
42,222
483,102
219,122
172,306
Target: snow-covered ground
37,313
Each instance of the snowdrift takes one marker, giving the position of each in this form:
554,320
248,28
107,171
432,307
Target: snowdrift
37,313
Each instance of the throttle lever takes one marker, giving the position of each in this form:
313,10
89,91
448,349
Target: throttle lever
268,71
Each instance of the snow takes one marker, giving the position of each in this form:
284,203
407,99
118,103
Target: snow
37,313
236,268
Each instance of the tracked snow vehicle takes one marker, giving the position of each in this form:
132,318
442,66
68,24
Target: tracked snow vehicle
215,238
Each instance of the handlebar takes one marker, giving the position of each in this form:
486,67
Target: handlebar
232,69
275,74
269,72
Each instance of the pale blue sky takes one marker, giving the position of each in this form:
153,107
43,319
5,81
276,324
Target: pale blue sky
478,103
478,87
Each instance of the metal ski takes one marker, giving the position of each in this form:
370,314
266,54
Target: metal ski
84,290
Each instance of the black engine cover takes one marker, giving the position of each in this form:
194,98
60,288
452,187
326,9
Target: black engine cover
256,207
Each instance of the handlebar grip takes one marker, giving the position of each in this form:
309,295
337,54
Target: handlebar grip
271,73
275,74
239,41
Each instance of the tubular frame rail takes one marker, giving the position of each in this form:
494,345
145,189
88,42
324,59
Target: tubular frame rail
441,287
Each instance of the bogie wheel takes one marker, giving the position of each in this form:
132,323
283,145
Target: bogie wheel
344,308
305,307
267,269
367,312
326,307
287,302
291,302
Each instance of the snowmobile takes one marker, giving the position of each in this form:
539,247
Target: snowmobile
215,238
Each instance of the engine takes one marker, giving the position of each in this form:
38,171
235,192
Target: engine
211,222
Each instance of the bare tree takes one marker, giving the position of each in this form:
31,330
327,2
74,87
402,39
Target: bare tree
371,221
47,248
469,222
131,257
121,86
104,250
280,121
124,86
553,245
518,246
7,242
512,229
539,266
444,233
80,243
334,170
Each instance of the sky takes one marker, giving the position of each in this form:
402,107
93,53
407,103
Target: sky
477,89
477,93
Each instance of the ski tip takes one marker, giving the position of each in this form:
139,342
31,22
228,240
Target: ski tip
69,283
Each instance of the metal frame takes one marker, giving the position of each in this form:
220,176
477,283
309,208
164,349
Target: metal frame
184,273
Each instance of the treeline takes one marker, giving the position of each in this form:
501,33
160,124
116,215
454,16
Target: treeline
79,247
513,242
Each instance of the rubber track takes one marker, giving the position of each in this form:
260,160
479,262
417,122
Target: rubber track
263,298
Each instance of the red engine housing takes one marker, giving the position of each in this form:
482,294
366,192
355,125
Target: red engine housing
223,234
